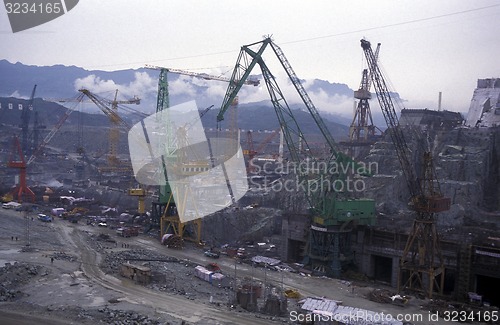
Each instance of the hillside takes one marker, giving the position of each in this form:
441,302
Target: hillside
255,110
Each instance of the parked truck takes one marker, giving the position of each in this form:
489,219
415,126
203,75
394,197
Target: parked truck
44,218
127,231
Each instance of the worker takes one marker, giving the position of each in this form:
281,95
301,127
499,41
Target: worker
51,260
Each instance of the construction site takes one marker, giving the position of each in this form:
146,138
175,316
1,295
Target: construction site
392,224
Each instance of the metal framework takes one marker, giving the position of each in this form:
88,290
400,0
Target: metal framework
54,129
362,129
333,214
198,75
165,212
25,120
421,264
22,190
110,108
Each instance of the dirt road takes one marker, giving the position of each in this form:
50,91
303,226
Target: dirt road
74,290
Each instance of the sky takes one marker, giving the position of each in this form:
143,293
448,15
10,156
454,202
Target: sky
427,46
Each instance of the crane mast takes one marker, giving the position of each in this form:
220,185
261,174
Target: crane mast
21,190
25,120
421,263
164,212
362,128
333,215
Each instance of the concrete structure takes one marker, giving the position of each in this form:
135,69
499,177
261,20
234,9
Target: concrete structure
138,273
468,162
430,119
484,110
294,229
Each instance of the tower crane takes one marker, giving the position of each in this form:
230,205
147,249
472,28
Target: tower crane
22,188
362,127
164,212
421,264
25,120
54,130
333,214
110,108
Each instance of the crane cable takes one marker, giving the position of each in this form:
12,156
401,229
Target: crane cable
408,22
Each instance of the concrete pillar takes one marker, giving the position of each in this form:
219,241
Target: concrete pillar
284,233
365,265
395,271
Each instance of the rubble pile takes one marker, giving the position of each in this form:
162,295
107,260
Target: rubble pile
171,275
120,317
234,227
63,256
100,315
113,260
101,242
14,275
381,296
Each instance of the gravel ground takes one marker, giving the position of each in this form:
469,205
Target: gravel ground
70,275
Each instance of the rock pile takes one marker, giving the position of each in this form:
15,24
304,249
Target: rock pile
14,275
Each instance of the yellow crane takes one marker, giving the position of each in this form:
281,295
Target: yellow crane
140,193
164,212
110,108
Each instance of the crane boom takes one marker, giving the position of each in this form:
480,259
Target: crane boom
199,75
113,116
305,98
421,263
333,214
425,192
111,110
391,118
54,130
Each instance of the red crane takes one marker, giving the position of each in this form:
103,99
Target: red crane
251,152
22,188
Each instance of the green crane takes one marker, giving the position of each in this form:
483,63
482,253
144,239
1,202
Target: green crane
164,212
333,214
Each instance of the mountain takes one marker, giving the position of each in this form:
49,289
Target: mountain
333,100
53,82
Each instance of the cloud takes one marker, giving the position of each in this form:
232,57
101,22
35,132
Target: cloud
212,92
142,85
331,103
182,86
322,99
